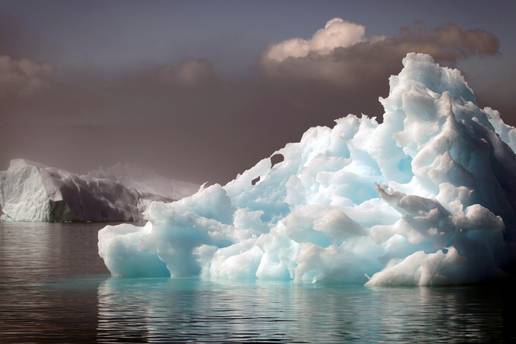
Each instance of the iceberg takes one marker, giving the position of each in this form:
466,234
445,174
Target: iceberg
146,181
426,197
31,191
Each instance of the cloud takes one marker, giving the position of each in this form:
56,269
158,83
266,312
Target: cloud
342,53
190,72
188,120
337,33
19,76
22,77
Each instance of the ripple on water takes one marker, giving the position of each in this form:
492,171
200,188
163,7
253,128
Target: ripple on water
55,289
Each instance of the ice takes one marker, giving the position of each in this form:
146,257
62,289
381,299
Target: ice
145,180
427,197
31,191
130,256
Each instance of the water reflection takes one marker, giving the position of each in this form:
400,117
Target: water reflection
41,300
55,289
191,310
180,310
35,252
451,315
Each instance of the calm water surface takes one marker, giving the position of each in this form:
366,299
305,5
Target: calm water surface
55,289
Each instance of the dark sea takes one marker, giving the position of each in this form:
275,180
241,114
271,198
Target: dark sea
55,289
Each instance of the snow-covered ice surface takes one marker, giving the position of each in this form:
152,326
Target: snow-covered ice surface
31,191
427,197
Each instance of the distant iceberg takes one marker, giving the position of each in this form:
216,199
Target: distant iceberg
146,181
31,191
427,197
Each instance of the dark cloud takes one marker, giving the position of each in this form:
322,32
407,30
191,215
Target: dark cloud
188,122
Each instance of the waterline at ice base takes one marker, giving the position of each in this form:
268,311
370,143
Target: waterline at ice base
427,197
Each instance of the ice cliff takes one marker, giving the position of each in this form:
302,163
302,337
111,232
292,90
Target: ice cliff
427,197
30,191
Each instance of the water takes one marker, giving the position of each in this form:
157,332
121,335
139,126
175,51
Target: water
55,289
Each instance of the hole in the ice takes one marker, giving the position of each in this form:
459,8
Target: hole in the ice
255,180
276,159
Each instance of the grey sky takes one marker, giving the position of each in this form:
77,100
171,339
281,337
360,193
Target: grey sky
115,92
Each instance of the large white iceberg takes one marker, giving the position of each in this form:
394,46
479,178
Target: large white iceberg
31,191
427,197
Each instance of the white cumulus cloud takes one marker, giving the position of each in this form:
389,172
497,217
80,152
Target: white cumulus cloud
337,33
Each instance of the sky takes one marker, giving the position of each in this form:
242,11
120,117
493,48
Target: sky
200,90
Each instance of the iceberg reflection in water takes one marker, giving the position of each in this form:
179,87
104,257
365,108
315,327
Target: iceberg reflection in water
54,289
165,310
